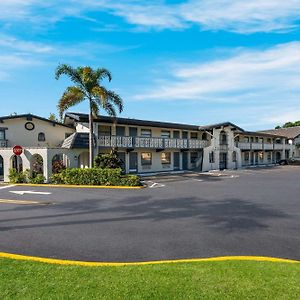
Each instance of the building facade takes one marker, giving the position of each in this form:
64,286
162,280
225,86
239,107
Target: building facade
143,146
147,146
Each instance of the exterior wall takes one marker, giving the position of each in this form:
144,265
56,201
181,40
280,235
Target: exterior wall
216,148
157,165
17,134
47,154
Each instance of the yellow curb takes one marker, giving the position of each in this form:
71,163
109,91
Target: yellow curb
121,264
81,186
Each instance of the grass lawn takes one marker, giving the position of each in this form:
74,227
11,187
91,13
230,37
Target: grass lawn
199,280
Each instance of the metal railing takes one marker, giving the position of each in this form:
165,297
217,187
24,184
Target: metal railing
150,142
259,146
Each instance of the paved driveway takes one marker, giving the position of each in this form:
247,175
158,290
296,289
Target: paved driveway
246,212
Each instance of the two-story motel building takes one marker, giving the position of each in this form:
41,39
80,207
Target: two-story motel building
144,146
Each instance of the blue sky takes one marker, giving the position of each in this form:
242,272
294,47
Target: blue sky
197,62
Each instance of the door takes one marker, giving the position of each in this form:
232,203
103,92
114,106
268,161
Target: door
1,167
120,131
132,131
133,162
122,157
176,161
223,161
184,160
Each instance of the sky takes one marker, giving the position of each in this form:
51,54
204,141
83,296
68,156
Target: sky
194,61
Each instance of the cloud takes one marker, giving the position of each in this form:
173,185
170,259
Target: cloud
245,79
231,15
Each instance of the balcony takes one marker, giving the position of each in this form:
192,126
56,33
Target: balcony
150,142
259,146
3,143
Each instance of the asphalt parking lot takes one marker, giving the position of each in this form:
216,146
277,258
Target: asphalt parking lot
242,212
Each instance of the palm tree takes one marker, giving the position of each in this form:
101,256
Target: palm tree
88,87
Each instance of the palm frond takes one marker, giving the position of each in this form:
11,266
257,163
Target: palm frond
102,73
113,98
73,74
109,108
99,92
72,96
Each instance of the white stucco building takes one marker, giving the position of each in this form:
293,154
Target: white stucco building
144,146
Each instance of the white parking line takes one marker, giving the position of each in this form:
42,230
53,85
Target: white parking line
6,187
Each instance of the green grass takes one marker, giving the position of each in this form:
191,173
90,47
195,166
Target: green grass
204,280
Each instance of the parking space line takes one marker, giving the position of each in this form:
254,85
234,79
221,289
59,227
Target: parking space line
23,202
6,187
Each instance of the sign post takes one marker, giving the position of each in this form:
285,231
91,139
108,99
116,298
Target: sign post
17,150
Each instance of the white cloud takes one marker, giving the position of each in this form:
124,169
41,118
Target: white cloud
230,15
246,79
257,72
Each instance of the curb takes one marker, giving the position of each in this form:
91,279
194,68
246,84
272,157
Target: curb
122,264
81,186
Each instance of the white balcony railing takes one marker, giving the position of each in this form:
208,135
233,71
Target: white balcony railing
259,146
150,142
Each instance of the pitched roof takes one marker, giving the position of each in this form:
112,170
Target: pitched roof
79,117
29,117
77,140
290,132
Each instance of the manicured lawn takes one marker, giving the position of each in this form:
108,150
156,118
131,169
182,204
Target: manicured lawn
204,280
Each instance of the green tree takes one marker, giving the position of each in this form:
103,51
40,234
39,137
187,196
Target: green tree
88,88
52,117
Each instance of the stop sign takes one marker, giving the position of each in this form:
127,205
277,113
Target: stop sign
18,150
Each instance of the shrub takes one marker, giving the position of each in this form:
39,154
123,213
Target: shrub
95,176
17,177
58,166
110,160
37,179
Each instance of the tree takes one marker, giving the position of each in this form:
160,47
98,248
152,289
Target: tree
52,117
88,88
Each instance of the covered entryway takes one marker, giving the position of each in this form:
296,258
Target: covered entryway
223,161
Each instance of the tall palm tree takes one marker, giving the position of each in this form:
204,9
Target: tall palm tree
88,88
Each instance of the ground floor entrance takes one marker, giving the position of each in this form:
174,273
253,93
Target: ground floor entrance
223,160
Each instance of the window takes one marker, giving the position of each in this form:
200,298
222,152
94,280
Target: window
223,138
247,156
176,134
212,157
194,135
104,130
194,157
2,135
234,158
146,132
146,158
41,137
246,139
204,136
184,134
261,156
120,131
165,134
166,158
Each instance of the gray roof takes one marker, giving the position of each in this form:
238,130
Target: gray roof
291,132
78,140
79,117
29,117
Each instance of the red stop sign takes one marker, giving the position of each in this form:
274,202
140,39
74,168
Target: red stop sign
18,150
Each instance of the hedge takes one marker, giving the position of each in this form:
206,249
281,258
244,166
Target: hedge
95,176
